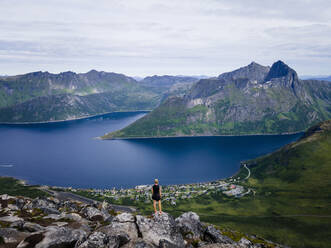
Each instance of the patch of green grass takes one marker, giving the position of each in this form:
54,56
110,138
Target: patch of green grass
14,187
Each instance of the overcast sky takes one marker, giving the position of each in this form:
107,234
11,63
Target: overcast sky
147,37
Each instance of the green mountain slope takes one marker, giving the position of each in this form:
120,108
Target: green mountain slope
303,167
290,199
42,96
251,100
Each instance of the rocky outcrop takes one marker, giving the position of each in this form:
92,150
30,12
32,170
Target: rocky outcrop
54,237
161,227
122,225
25,224
214,236
190,225
11,235
96,239
92,213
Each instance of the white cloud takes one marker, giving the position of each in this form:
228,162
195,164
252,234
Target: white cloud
143,37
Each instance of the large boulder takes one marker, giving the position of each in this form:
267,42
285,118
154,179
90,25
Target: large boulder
10,218
166,244
47,206
73,217
71,206
105,209
139,243
54,237
213,235
47,210
122,225
106,206
4,200
101,240
124,217
11,235
245,242
190,225
43,203
32,227
161,227
92,213
54,200
31,241
95,240
53,216
17,224
12,207
20,202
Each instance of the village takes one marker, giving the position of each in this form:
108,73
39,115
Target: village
170,193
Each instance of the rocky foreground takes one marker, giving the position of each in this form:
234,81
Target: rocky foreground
49,222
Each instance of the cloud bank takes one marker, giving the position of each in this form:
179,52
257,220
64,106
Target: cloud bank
146,37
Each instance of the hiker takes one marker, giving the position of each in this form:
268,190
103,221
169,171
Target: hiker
156,195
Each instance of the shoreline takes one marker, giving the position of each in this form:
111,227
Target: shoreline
25,182
197,136
73,119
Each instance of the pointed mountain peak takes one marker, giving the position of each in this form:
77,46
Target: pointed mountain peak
253,63
253,71
280,69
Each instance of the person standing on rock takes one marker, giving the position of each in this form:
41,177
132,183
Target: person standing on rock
156,195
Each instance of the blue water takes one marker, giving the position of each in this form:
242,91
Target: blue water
66,154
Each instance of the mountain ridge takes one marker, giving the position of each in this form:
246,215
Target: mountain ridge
271,101
43,96
31,97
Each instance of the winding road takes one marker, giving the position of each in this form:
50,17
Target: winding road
249,172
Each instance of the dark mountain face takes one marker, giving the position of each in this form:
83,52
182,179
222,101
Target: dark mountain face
279,70
251,100
321,78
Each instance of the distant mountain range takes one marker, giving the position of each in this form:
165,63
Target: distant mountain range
323,78
169,85
254,99
43,96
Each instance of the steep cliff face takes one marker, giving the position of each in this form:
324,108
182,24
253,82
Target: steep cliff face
251,100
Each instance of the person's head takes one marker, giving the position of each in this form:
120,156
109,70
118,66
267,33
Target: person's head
156,181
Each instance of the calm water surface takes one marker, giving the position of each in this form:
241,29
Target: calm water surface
65,154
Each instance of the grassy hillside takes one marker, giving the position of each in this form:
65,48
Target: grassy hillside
291,203
43,96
